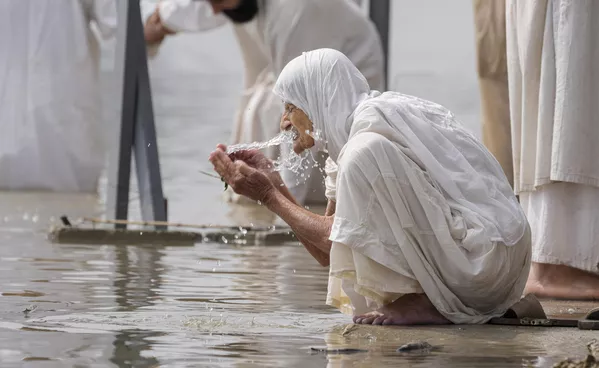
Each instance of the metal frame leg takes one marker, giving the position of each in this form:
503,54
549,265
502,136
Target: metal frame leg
137,132
380,11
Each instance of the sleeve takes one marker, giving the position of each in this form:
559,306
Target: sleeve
293,27
330,182
189,16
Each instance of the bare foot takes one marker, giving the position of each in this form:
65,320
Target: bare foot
562,282
410,309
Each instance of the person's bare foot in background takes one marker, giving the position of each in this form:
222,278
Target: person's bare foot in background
562,282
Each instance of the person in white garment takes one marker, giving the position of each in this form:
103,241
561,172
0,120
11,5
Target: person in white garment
271,33
422,226
50,103
553,61
489,21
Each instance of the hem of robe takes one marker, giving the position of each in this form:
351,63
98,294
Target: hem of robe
361,287
575,244
557,178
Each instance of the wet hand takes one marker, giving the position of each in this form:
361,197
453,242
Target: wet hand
243,179
256,160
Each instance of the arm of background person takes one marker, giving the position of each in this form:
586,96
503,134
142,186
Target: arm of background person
293,27
183,15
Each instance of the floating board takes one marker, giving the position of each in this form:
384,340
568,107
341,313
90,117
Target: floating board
101,232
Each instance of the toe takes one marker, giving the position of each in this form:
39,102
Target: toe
379,320
368,320
388,322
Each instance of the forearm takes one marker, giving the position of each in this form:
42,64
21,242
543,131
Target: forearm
311,229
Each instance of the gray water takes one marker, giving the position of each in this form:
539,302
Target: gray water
220,304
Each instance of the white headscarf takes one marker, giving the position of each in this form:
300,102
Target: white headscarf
341,87
336,97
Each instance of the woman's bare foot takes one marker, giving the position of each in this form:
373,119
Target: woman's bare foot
562,282
410,309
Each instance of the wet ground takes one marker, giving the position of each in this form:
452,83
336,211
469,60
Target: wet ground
220,304
212,305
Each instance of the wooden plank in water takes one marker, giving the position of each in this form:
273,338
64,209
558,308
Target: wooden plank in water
238,236
75,235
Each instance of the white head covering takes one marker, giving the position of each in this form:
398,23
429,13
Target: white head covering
336,97
327,87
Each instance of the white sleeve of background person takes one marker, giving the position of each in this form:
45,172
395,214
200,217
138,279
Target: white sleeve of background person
50,112
293,27
189,16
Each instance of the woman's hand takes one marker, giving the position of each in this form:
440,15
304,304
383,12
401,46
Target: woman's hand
244,179
256,160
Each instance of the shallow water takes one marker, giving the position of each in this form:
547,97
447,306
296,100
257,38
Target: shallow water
216,304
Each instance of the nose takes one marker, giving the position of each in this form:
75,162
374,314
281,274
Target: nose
285,123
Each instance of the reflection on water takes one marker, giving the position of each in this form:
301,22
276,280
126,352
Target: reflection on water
210,305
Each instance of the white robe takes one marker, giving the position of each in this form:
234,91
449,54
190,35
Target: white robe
553,61
282,30
50,101
421,205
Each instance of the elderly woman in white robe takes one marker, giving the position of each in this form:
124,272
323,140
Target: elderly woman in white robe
422,225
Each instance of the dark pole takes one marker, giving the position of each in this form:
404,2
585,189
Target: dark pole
379,13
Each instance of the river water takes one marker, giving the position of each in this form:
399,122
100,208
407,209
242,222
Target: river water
215,304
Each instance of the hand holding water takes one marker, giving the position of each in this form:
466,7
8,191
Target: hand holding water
257,160
249,178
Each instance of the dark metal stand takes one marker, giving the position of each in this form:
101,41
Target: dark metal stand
380,11
137,133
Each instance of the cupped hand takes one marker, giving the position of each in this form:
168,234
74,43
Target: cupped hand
241,177
256,160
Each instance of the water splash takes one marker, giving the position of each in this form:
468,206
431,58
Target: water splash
281,138
301,165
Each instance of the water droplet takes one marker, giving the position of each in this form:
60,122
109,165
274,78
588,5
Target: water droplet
224,239
26,217
213,270
294,271
218,263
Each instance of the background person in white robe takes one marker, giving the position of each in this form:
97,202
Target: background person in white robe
489,21
422,225
50,103
270,33
553,68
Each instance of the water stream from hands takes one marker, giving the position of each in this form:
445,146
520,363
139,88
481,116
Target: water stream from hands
298,164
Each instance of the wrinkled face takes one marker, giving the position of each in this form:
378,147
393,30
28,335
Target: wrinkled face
219,6
297,121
